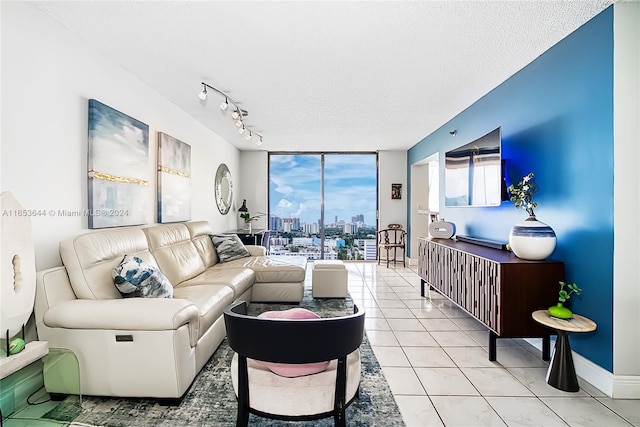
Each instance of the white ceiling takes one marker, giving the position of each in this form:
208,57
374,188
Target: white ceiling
324,75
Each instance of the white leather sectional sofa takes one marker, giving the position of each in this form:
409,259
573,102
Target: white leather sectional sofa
151,347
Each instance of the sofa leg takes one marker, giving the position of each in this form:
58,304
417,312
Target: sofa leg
170,401
57,397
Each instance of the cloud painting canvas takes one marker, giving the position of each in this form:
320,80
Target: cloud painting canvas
118,168
174,179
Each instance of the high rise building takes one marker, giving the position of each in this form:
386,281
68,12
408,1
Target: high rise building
275,223
290,224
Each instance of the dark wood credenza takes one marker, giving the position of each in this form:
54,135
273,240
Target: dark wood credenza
492,285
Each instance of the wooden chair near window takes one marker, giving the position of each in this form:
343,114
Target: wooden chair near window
392,239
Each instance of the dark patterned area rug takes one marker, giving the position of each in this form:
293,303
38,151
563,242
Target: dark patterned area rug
211,401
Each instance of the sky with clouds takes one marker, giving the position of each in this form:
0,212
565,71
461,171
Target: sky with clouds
350,186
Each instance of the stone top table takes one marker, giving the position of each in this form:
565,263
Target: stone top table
562,373
577,323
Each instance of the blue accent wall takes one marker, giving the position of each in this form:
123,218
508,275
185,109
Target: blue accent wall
556,116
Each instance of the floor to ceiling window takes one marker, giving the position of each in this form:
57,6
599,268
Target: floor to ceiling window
323,205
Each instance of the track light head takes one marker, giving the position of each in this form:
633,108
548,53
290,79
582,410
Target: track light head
248,136
239,113
224,104
241,130
238,122
453,132
203,95
259,141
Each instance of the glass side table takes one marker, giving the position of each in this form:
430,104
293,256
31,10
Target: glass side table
562,373
61,372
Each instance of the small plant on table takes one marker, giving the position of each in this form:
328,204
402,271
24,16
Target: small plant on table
559,310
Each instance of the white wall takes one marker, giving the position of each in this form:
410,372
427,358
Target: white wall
626,292
255,184
423,192
47,77
392,169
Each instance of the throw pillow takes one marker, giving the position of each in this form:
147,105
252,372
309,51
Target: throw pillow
229,247
293,370
136,278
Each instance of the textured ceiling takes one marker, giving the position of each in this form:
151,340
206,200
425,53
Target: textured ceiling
324,75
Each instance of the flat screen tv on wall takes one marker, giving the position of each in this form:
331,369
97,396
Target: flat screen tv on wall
474,174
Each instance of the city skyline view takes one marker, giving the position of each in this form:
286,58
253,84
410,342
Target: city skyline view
350,182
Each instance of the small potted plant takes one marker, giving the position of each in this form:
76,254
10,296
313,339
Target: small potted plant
248,219
559,310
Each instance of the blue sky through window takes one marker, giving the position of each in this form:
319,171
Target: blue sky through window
350,187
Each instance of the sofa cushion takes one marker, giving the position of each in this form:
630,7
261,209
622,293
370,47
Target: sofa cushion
174,251
135,278
290,370
229,247
273,268
199,232
211,300
91,257
239,280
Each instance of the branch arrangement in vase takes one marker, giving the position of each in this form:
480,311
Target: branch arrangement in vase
522,194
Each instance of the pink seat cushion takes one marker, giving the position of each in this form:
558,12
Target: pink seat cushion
287,369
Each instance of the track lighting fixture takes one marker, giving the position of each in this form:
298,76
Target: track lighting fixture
237,115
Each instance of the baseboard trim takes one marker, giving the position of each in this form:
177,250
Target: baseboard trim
595,375
626,386
614,386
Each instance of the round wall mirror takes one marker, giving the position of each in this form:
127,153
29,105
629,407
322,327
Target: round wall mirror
223,189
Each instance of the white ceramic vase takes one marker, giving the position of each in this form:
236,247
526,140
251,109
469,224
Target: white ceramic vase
532,239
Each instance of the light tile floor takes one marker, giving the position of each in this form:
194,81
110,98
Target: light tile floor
435,359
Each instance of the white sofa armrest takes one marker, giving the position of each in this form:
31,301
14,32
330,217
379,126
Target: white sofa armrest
143,314
256,250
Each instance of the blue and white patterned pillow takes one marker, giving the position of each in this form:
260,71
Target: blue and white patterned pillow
229,247
135,278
